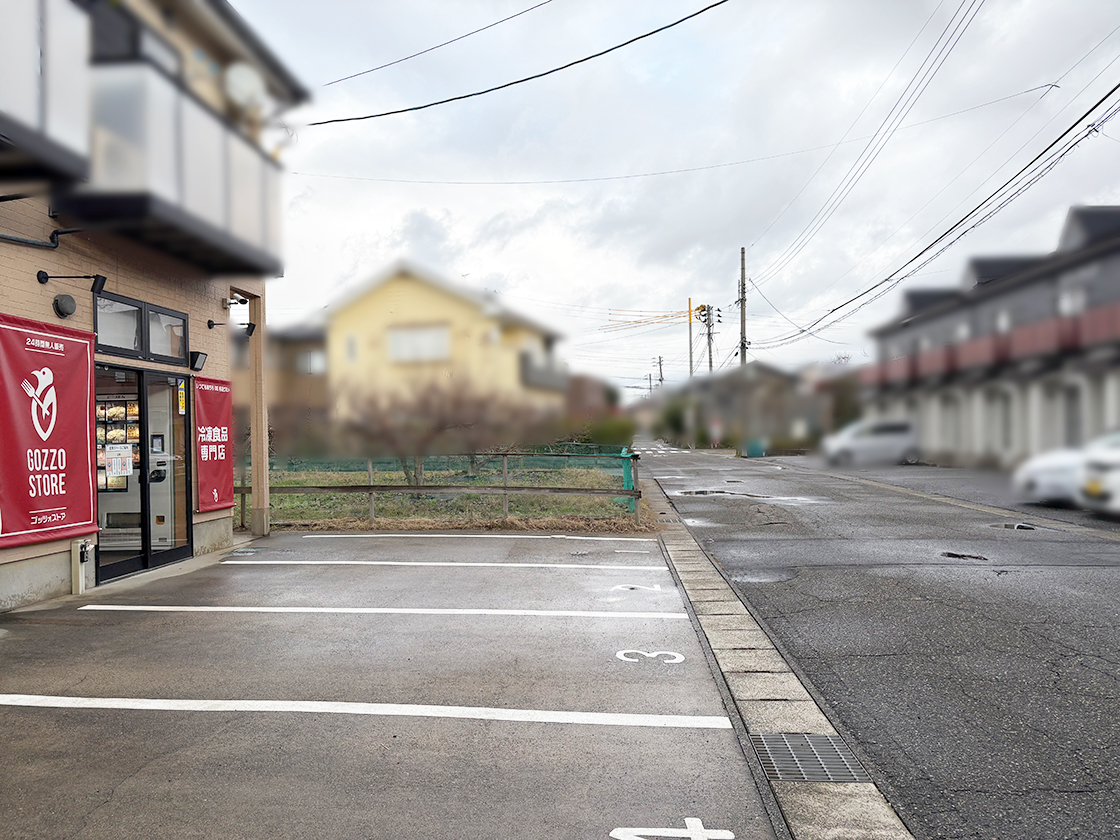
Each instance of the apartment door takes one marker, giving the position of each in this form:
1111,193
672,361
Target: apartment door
143,471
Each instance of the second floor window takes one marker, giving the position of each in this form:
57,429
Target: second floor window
127,327
430,343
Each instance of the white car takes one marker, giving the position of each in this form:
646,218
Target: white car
1057,476
1050,477
1098,479
873,441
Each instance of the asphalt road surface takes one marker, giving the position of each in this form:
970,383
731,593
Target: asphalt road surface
973,667
318,686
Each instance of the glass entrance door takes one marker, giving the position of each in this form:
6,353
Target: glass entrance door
167,471
143,477
120,492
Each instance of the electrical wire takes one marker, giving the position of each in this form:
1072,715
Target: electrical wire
1046,89
526,79
437,46
659,173
934,60
1028,175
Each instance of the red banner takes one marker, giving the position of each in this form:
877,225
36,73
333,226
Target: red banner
213,422
46,426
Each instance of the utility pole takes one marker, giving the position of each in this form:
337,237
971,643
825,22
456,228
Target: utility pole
708,320
690,338
661,370
651,384
742,306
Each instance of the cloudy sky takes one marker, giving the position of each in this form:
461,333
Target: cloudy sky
762,94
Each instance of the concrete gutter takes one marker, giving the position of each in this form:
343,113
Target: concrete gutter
764,696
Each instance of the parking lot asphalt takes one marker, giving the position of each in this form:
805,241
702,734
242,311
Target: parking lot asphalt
340,686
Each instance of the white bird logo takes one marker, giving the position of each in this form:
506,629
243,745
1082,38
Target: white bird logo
44,402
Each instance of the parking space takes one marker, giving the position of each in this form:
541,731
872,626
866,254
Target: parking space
368,686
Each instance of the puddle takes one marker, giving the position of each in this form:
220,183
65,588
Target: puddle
776,500
954,555
764,576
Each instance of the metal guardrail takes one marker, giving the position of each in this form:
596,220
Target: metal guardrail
505,489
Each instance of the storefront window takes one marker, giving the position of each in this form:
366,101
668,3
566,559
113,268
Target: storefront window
127,327
167,335
119,325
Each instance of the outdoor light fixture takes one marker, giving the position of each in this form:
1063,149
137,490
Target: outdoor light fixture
250,327
198,360
97,288
64,306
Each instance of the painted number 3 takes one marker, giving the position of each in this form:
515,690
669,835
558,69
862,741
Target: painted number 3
693,830
672,658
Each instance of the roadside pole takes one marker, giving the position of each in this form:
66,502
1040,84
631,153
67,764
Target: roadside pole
690,338
742,307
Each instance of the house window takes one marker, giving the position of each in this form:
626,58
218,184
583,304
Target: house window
140,330
351,348
1003,322
420,344
1071,302
311,362
964,331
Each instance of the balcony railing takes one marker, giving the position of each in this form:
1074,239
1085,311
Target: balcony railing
44,90
871,376
986,351
548,376
1101,325
901,370
937,361
166,170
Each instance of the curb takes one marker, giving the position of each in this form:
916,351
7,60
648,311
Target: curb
766,698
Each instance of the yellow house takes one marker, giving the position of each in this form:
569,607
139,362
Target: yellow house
408,333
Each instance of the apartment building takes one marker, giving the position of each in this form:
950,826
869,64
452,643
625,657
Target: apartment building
139,218
1023,357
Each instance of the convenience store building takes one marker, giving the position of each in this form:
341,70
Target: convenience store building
139,219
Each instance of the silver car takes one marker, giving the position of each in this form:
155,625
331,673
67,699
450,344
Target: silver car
874,441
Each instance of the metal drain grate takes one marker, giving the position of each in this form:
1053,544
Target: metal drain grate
807,758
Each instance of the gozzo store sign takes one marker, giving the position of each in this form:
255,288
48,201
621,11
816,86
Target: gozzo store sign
46,425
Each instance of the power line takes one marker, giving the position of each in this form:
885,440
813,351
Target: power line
437,46
1046,89
1012,188
944,45
655,174
526,79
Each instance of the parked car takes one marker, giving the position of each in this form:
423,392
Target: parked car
1055,476
1098,479
1049,478
873,441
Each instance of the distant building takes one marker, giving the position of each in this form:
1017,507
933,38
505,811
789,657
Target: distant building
752,402
408,340
1023,357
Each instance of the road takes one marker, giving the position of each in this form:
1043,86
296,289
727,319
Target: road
971,666
341,686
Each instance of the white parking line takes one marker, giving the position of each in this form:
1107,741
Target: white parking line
471,537
317,707
382,611
448,563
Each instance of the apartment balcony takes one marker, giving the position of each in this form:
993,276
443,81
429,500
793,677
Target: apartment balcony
901,371
984,352
547,376
44,91
1101,325
938,361
871,376
168,172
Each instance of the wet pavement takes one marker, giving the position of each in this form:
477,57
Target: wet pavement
317,686
972,667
